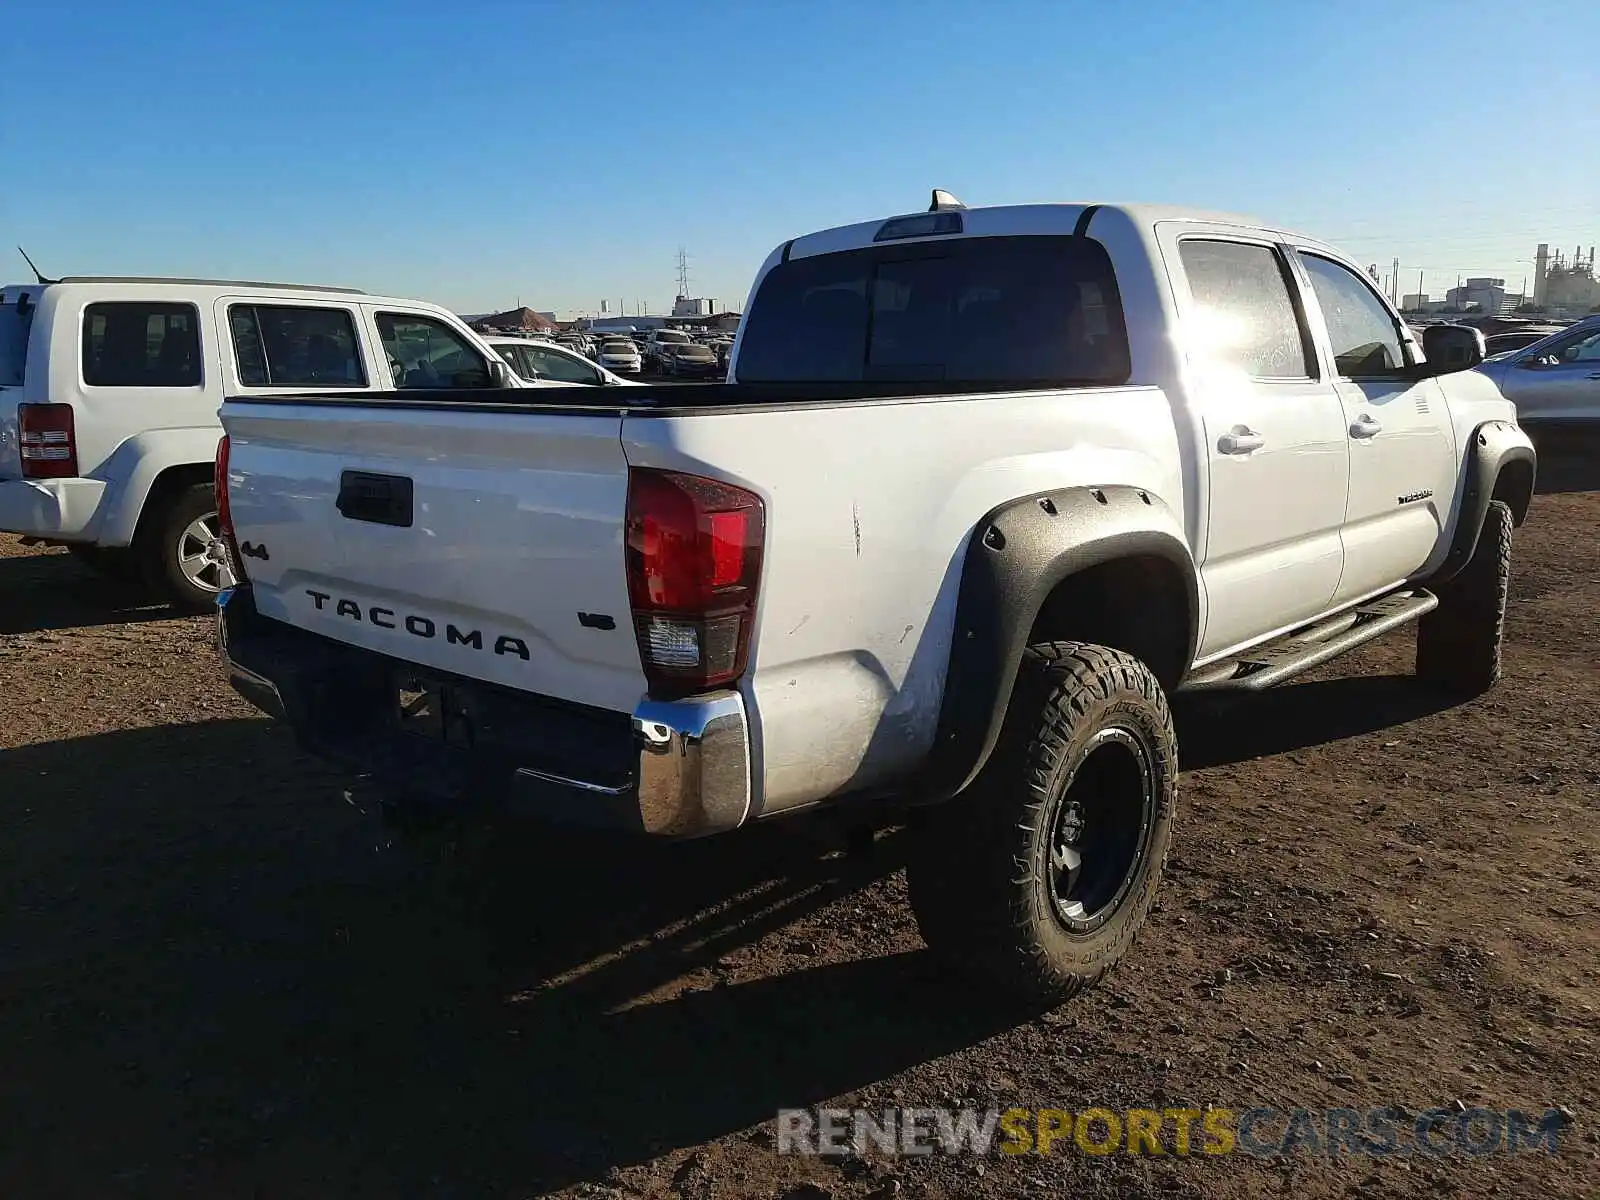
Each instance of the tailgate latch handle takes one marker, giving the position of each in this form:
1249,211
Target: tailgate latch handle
380,499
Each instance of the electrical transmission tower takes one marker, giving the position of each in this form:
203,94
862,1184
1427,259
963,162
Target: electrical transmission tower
683,273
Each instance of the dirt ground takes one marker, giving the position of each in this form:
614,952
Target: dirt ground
218,978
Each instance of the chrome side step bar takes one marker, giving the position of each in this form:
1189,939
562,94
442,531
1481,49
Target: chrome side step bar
1285,657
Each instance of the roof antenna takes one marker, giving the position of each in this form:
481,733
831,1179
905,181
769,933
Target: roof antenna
943,201
34,269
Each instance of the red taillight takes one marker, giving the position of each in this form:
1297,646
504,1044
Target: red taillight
219,488
694,559
47,440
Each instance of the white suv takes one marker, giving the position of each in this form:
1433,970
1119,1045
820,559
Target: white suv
109,390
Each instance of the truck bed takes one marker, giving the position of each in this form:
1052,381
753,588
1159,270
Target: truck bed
513,569
666,398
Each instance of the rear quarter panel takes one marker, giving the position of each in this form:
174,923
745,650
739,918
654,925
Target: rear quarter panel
869,511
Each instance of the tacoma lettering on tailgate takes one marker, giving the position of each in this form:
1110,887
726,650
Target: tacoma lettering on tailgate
416,624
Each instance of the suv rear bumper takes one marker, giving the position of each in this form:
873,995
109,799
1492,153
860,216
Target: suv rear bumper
63,509
670,769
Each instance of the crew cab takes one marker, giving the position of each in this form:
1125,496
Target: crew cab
984,488
109,391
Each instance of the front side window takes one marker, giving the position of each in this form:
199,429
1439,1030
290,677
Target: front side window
1007,311
558,367
294,346
514,358
141,345
1244,312
1364,336
1582,349
427,353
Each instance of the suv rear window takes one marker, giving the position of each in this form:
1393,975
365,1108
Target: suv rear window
1010,311
141,345
15,321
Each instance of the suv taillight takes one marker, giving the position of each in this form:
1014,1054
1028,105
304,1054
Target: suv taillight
219,488
47,441
694,559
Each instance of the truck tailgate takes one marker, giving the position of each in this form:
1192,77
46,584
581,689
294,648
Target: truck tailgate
488,544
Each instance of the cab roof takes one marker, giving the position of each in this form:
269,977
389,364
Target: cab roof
1022,219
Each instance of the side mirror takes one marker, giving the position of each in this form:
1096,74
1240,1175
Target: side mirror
1450,348
499,374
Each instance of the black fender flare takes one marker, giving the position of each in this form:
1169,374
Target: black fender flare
1491,448
1016,556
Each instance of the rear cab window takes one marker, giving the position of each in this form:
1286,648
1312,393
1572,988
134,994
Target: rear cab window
1028,311
289,345
142,345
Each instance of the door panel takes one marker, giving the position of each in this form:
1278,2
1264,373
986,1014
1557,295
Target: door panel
1402,480
1275,445
1273,553
1562,382
1402,447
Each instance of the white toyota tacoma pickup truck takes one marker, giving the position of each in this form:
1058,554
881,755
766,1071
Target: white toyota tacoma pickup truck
986,486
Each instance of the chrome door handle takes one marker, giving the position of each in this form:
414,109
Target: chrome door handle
1595,375
1241,439
1365,426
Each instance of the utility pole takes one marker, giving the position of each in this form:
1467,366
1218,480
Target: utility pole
1394,296
1420,292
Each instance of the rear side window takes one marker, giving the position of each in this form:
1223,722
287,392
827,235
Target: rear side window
141,345
16,318
292,346
1012,311
1245,315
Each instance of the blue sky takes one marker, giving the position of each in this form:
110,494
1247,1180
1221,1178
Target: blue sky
477,152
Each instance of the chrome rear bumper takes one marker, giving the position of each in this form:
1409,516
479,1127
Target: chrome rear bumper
679,769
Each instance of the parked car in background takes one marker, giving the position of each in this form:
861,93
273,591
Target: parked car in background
621,355
544,363
109,391
1517,339
655,343
1554,380
690,360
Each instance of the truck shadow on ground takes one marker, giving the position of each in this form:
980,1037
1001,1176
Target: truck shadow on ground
1293,716
217,983
55,591
220,980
